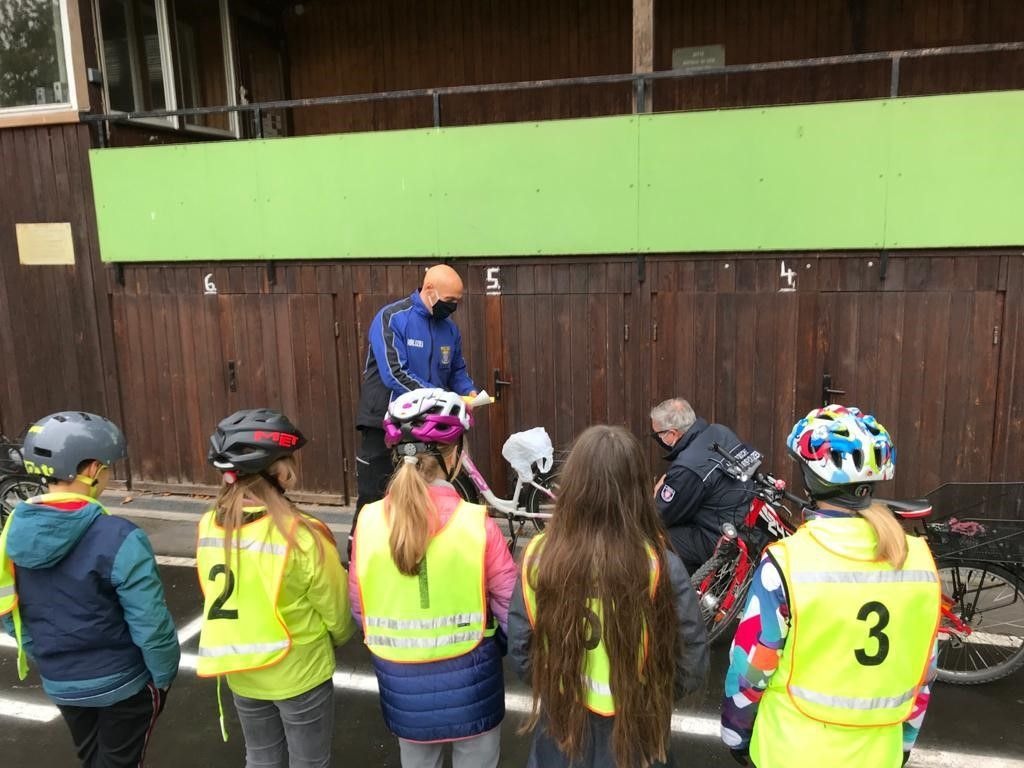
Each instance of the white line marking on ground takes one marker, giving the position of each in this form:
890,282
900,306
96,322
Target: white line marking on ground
40,713
689,725
191,629
6,641
185,562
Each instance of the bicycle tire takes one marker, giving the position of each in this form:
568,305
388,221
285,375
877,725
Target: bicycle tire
537,502
465,488
988,652
722,565
15,489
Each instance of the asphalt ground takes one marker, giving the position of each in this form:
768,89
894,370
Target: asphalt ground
979,727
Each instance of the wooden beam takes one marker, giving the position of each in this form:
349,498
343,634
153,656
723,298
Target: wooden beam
643,48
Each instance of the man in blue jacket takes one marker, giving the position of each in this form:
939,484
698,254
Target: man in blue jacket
80,590
413,344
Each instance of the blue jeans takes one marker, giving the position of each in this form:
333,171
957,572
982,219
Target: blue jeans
291,733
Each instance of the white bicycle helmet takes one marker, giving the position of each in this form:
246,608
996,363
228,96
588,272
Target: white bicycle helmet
429,416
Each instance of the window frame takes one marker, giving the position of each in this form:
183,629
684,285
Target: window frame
168,61
71,105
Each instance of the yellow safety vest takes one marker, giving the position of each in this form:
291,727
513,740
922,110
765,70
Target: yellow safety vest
242,626
597,671
441,613
860,639
8,584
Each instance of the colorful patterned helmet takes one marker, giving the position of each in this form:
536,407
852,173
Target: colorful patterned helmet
248,442
842,451
430,416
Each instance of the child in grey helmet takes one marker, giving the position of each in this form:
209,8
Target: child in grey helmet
80,591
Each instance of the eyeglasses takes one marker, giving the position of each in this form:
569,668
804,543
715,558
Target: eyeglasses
659,432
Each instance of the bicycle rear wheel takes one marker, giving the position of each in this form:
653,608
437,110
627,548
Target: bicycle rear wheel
713,583
540,500
988,598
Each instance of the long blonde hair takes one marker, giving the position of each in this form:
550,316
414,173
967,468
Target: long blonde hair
287,518
410,510
892,541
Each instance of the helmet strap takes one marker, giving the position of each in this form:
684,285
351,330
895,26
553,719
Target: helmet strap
451,473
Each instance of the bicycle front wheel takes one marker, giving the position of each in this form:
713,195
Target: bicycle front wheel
14,490
989,599
720,599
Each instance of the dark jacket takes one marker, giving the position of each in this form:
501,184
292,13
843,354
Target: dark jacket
697,492
691,670
443,700
92,604
409,349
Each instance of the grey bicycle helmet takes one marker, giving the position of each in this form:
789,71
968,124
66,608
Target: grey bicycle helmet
57,445
248,442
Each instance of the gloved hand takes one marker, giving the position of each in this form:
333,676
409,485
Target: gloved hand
906,757
741,756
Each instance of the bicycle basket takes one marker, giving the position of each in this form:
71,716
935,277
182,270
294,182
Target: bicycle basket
994,541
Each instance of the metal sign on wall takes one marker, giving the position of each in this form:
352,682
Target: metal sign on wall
699,57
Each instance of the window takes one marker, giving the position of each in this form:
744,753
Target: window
168,54
34,55
201,70
133,65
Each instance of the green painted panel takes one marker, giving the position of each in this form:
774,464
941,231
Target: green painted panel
928,172
540,188
764,179
958,171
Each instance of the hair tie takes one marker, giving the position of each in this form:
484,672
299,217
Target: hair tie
414,460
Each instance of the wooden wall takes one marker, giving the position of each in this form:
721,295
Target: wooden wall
55,329
753,32
934,350
365,46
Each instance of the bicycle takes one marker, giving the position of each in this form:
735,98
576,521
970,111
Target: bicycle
981,568
722,582
531,457
16,485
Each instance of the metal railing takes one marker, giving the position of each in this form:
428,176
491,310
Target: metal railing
640,82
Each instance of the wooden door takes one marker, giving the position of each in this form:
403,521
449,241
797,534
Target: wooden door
926,363
188,361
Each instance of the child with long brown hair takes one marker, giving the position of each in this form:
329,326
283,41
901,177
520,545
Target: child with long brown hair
430,580
275,598
604,623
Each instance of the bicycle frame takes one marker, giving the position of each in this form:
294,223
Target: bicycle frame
509,507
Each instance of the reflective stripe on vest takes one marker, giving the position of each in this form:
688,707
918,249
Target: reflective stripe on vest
861,632
441,612
597,672
242,626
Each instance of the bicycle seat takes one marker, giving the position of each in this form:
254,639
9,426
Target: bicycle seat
915,509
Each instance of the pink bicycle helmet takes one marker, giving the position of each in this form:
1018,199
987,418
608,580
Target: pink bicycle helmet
428,416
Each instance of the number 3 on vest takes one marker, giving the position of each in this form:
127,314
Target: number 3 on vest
881,613
217,610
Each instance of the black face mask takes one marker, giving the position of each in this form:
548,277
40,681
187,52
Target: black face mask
657,438
442,308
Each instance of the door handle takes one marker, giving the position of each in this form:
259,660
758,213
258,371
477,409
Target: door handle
499,383
827,391
232,375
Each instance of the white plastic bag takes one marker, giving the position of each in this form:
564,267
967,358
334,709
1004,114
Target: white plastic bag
524,449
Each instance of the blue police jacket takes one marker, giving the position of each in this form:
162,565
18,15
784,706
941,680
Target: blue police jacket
409,349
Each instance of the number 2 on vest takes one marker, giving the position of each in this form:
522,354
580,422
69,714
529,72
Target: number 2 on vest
217,610
881,613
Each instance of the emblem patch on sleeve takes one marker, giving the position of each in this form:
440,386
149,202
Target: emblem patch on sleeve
667,493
